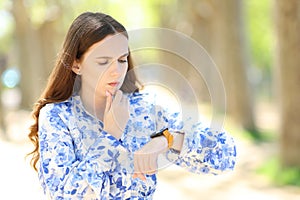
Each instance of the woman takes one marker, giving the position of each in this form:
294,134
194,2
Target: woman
97,136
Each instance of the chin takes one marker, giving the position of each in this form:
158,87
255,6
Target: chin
112,92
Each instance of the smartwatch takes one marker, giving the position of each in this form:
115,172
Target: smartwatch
165,132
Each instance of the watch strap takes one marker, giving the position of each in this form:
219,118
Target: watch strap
165,132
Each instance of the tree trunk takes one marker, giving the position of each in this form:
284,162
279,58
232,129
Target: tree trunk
192,19
37,47
29,55
229,53
218,26
288,68
196,22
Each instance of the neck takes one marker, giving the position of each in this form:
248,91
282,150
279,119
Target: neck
94,104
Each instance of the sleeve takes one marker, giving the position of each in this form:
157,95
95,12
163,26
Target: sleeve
63,175
204,150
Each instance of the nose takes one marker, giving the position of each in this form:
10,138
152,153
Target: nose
115,68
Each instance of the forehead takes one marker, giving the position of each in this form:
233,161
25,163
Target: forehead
111,46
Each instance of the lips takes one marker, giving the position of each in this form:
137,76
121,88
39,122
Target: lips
113,84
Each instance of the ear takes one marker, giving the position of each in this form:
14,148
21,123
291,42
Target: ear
76,67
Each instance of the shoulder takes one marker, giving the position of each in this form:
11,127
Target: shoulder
140,98
163,100
141,104
56,109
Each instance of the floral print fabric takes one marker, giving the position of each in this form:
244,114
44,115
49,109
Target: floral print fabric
78,160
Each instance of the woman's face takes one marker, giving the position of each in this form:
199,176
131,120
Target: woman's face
104,65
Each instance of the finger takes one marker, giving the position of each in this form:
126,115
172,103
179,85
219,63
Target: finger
127,112
145,164
124,102
148,165
138,168
151,172
140,162
134,175
108,101
152,166
124,105
140,176
136,163
137,171
118,97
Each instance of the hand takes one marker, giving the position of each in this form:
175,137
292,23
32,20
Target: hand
116,114
145,159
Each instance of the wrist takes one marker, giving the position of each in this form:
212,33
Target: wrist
178,141
162,141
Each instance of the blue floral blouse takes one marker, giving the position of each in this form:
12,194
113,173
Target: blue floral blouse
78,160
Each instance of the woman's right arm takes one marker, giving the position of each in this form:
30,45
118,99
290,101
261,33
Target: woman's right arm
64,176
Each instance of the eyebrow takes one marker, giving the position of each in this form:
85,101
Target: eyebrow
107,57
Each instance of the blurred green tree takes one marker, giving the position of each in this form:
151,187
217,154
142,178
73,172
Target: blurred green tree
220,27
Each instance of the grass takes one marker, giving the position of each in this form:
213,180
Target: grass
278,175
271,168
262,135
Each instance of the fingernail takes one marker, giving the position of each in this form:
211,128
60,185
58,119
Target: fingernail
106,93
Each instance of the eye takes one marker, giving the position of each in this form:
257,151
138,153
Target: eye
103,62
123,61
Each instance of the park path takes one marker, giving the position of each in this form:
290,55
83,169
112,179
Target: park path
19,181
241,184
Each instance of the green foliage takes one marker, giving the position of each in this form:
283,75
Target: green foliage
3,3
259,30
279,175
131,13
37,11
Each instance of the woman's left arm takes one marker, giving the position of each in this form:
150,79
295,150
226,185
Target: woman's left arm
197,147
203,150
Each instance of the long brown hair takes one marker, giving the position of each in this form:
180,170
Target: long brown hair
87,29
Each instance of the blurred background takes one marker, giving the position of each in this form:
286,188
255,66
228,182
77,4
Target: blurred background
255,45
